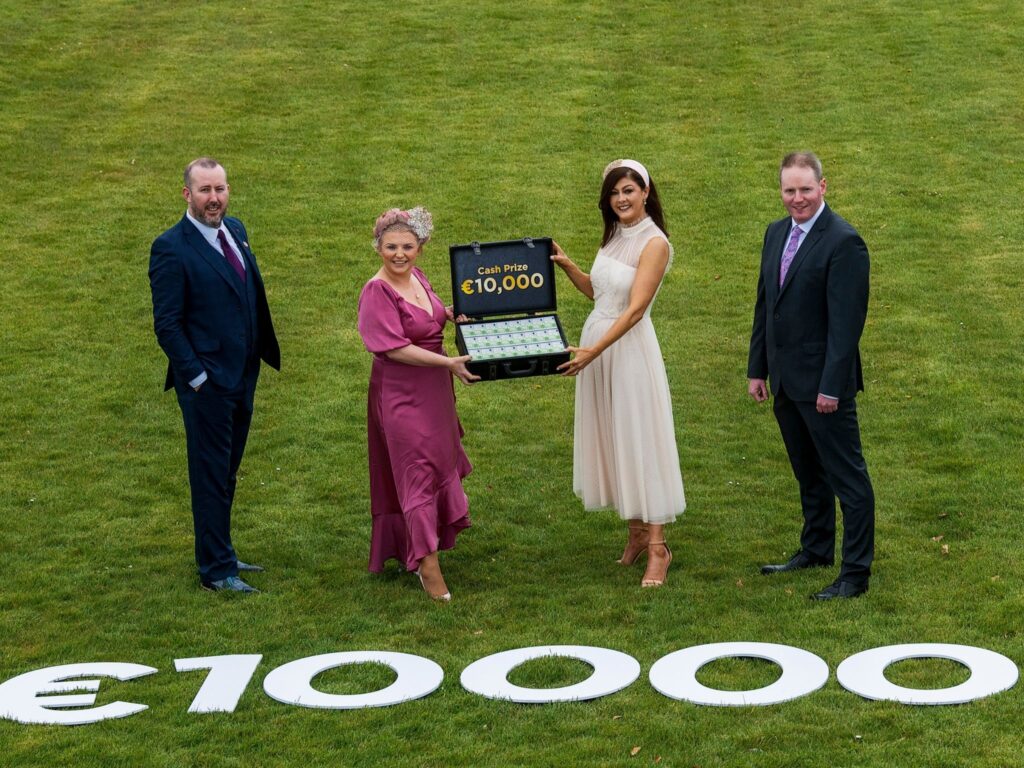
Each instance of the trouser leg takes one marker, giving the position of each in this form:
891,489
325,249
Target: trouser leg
837,439
817,499
216,427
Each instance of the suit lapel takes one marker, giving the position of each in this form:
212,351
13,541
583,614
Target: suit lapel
773,260
210,255
810,242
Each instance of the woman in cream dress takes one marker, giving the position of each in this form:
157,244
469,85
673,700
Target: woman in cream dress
625,455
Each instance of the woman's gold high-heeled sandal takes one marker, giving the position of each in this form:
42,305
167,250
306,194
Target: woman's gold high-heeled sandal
636,546
656,579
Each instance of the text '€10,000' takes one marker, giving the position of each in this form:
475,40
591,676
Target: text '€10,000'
65,695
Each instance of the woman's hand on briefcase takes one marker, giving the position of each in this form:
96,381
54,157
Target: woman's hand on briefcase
558,256
457,365
581,358
449,312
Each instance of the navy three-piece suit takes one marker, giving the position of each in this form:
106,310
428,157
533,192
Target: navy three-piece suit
209,319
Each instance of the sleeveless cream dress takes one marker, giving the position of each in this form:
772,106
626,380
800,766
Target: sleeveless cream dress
624,454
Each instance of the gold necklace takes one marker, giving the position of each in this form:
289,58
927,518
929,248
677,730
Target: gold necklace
416,290
417,296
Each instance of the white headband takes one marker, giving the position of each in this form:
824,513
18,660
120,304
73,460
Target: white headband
632,165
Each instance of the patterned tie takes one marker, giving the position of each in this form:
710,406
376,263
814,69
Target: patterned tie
789,253
230,255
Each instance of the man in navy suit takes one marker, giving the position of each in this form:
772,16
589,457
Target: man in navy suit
211,318
812,301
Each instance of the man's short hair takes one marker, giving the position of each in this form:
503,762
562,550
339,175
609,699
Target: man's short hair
202,162
801,160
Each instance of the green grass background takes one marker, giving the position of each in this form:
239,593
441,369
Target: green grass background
499,117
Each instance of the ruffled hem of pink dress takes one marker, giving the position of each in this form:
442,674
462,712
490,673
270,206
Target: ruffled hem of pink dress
431,527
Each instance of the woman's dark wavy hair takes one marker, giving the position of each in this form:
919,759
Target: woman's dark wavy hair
610,219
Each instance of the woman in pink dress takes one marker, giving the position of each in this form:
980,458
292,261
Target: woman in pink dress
415,447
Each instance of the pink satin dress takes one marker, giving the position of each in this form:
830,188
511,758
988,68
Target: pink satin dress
417,462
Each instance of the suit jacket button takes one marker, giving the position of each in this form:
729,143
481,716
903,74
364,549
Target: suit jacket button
778,316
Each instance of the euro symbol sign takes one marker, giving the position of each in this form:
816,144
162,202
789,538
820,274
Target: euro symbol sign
467,287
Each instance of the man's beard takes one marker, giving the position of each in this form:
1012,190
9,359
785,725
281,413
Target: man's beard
210,218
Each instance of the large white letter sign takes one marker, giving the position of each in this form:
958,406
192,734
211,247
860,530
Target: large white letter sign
613,671
864,673
675,675
224,686
291,682
26,699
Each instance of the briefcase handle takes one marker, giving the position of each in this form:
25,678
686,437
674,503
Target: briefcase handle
512,370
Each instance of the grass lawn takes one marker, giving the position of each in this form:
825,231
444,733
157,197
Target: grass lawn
499,117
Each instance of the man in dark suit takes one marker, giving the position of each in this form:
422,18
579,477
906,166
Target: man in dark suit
212,320
812,301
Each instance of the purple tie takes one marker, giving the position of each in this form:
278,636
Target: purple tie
230,255
789,253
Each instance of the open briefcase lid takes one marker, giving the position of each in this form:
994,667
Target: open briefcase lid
503,278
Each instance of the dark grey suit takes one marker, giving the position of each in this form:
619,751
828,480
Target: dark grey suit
805,342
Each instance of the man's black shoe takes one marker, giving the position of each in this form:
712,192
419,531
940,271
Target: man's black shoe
840,589
230,584
797,562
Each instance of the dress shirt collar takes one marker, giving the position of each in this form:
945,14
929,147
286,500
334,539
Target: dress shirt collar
210,233
809,224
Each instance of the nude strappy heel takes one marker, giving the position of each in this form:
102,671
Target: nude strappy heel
656,579
636,545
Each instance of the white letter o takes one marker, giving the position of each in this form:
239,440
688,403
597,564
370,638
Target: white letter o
291,683
675,675
613,671
864,673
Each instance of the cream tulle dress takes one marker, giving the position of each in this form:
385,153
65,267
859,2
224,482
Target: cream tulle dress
625,454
